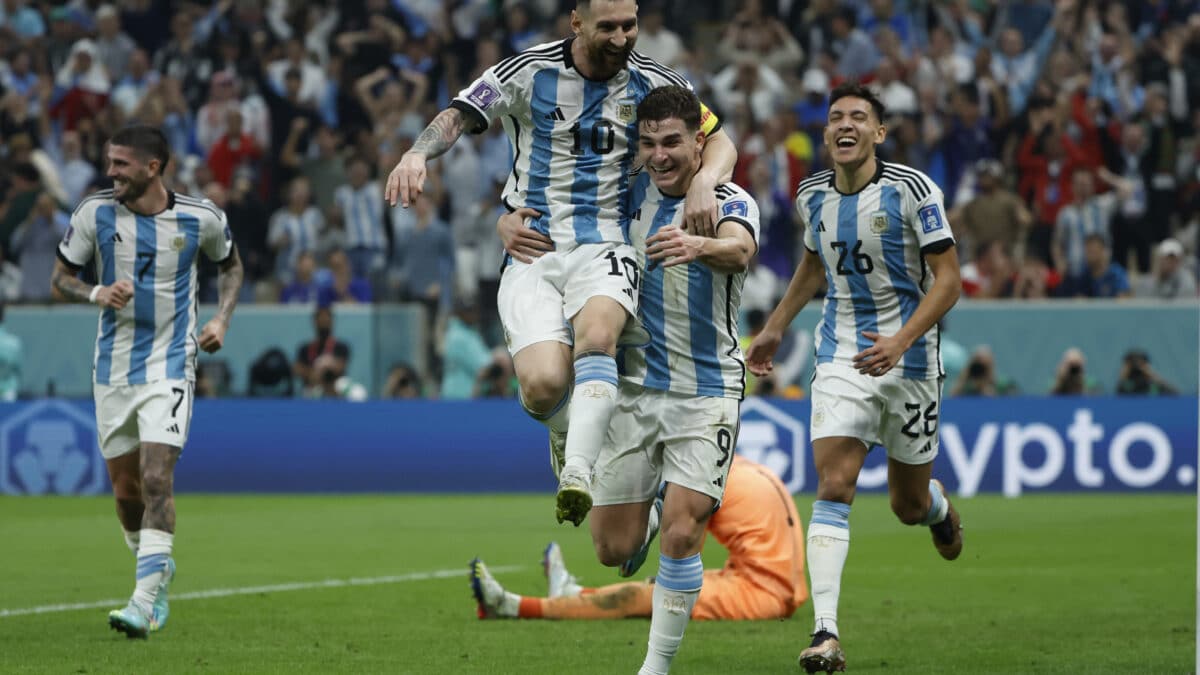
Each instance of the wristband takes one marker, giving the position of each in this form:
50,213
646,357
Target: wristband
94,293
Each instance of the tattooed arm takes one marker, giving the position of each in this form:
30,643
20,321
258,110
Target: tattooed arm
229,284
407,180
69,287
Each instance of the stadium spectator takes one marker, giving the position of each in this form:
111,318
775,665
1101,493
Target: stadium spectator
34,246
76,172
466,354
22,194
990,273
402,382
312,78
1138,377
497,379
855,52
323,344
328,380
1071,378
326,172
10,362
1035,279
658,41
763,576
1101,277
994,213
294,229
304,287
343,285
980,378
360,211
114,48
131,88
233,150
271,376
1087,214
1170,279
249,223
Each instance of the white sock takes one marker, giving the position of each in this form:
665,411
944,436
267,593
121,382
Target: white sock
675,591
592,408
153,552
828,545
131,540
509,605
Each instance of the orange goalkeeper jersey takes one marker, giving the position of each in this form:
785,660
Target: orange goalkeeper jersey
759,525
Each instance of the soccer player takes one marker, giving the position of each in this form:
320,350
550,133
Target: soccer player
876,233
763,577
569,110
145,240
678,410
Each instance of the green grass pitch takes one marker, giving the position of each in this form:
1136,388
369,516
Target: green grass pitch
1046,584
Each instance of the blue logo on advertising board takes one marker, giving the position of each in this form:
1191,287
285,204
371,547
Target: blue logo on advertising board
49,447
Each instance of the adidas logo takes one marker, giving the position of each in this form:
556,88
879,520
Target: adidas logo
556,114
820,226
927,448
637,215
116,238
718,482
174,429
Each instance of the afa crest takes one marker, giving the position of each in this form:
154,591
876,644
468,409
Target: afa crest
879,222
178,243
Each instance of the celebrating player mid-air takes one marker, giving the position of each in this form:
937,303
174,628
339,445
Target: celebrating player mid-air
145,240
877,233
569,110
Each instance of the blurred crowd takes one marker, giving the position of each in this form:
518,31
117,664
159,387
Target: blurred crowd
1064,134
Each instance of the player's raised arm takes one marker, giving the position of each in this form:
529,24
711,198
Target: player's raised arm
804,284
717,162
407,180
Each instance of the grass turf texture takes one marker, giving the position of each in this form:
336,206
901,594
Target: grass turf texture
1046,584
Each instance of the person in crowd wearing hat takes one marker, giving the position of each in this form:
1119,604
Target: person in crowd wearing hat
1171,280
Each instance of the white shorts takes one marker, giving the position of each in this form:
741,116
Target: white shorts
158,412
660,436
898,413
536,301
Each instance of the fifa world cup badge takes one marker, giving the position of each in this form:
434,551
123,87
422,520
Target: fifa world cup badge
879,222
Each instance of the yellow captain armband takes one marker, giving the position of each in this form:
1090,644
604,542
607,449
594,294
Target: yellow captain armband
709,122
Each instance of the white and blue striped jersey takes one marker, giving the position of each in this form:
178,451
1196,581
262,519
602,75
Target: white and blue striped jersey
301,231
873,246
362,215
574,140
151,338
690,311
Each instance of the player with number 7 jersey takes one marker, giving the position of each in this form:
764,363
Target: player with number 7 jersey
145,241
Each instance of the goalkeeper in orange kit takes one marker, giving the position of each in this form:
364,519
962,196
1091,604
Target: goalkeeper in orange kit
762,579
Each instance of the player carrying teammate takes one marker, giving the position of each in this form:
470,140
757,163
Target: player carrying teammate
569,110
763,578
877,233
145,240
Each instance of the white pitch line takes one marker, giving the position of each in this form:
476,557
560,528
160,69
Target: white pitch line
252,590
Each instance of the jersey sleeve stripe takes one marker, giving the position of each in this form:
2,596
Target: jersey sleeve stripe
512,64
102,194
191,202
646,63
921,186
908,182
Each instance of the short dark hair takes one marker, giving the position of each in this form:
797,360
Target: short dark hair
670,101
147,141
857,90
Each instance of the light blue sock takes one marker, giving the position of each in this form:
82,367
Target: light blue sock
937,506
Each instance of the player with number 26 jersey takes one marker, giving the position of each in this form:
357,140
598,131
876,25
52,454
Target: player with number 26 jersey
871,243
